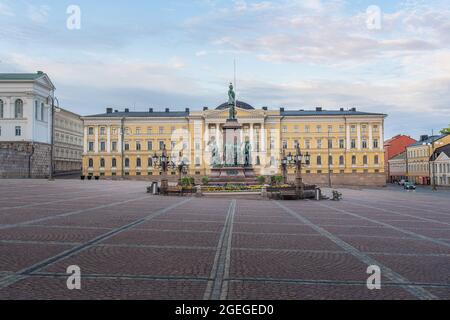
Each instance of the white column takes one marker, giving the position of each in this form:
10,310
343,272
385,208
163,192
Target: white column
120,142
108,141
85,137
381,142
252,137
358,129
96,139
370,137
348,145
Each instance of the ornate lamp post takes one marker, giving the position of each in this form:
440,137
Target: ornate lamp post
297,161
163,163
182,168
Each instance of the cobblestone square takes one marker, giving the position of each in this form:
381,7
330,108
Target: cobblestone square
131,245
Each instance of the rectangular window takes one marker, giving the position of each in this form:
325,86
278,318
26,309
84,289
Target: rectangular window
330,144
127,146
114,131
364,144
149,145
375,143
330,129
353,146
308,144
91,131
341,129
285,129
161,145
353,129
138,131
307,129
296,129
102,131
285,144
138,146
102,146
319,144
114,146
161,130
149,130
319,129
341,144
91,146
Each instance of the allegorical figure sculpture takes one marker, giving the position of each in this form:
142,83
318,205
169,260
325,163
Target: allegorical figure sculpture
247,154
232,102
215,159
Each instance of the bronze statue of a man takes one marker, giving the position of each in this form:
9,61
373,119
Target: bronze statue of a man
232,102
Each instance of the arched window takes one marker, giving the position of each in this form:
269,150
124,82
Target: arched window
91,163
354,160
138,162
319,160
341,160
1,108
114,162
102,163
365,161
376,160
18,110
150,162
127,163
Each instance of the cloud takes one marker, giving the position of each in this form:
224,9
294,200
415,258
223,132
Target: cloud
6,10
38,14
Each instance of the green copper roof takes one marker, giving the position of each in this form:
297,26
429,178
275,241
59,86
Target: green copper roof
20,76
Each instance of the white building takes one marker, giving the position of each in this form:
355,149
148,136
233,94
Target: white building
24,113
441,166
25,124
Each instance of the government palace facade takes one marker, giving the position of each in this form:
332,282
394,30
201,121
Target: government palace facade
345,145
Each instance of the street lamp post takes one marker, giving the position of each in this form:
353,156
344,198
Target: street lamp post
162,162
297,161
182,167
52,134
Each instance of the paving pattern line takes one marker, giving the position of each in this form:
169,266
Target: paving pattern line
24,273
59,201
387,225
417,291
335,282
401,214
68,214
120,277
215,288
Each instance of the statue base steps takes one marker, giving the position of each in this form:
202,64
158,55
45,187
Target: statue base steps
233,175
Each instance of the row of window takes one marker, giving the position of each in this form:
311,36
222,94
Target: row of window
330,129
417,153
18,109
68,139
17,129
138,146
129,131
331,145
65,153
442,168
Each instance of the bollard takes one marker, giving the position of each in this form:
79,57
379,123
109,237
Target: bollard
318,194
199,191
264,192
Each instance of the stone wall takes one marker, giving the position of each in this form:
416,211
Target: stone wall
345,179
24,159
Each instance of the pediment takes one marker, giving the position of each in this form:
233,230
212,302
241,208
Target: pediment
46,82
443,157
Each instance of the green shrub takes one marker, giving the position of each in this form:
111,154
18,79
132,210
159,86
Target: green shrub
261,180
187,181
205,181
277,180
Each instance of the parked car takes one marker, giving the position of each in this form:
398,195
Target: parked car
409,186
402,182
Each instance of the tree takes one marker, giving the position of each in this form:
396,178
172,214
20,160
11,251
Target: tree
446,130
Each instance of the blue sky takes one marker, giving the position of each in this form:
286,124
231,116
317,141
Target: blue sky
290,53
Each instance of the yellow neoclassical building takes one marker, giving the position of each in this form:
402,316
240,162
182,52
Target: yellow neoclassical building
345,145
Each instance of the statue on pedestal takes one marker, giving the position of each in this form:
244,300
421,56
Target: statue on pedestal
247,154
232,103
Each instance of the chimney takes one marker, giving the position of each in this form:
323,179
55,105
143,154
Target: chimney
150,110
109,110
353,109
116,111
205,108
319,109
167,110
127,110
342,109
265,108
188,110
424,137
281,109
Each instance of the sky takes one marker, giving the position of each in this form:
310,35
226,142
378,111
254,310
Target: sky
296,54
